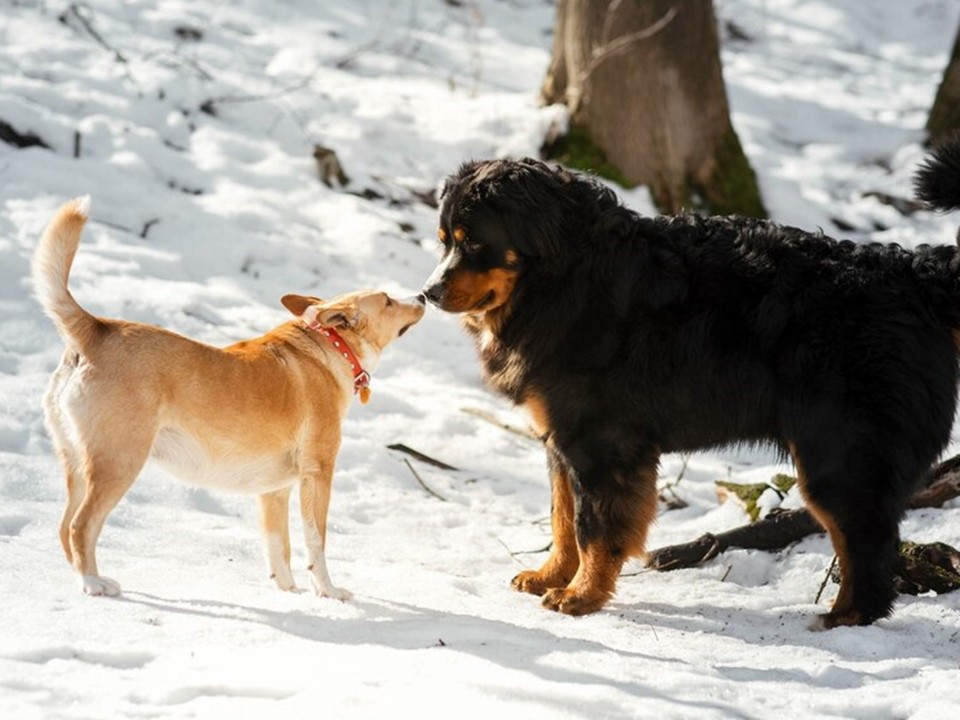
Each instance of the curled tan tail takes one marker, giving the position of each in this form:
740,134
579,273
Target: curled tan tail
51,269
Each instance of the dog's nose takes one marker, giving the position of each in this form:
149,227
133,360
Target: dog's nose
434,293
421,298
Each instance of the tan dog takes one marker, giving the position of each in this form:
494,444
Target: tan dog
254,417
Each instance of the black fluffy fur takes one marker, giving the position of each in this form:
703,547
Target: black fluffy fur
938,179
646,335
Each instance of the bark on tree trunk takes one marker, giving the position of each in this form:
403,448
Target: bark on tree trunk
945,114
643,81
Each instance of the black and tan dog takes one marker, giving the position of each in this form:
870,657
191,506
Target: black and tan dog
626,337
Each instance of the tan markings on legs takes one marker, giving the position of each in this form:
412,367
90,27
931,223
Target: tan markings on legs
564,559
600,563
646,509
536,409
592,586
842,611
275,524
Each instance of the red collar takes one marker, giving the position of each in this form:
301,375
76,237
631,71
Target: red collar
361,378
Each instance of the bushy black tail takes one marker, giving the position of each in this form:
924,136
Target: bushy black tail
937,181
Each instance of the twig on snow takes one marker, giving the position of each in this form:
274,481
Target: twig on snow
491,418
400,447
826,579
74,10
423,484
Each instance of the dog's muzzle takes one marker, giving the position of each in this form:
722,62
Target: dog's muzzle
434,293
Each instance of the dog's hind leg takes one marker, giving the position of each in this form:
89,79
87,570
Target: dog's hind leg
562,564
613,514
71,463
61,435
115,455
275,523
861,514
75,495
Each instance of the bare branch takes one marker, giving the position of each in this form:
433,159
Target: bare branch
826,579
73,10
578,92
400,447
422,483
605,51
491,418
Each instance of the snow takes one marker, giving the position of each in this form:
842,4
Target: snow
201,221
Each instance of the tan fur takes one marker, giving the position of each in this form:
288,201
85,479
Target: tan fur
564,560
842,612
257,417
600,562
579,579
468,291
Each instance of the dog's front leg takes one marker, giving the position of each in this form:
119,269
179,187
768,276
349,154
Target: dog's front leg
613,512
274,521
563,562
314,501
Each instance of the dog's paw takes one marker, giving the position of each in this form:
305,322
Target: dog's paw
831,620
97,585
571,602
334,593
537,582
325,588
284,580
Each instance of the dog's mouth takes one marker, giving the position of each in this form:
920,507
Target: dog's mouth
404,329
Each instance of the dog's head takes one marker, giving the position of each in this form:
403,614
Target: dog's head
373,317
498,220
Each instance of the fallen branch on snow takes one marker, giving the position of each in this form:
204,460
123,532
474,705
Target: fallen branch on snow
400,447
934,566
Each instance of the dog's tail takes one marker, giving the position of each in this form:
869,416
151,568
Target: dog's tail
937,181
51,268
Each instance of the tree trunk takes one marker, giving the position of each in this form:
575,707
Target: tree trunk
945,114
643,84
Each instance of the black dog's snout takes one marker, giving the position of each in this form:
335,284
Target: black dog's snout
434,293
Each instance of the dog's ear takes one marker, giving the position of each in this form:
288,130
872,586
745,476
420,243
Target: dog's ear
312,310
298,304
339,315
537,197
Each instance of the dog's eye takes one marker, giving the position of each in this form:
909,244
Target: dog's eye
471,247
389,301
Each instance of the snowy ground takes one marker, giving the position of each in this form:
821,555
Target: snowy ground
196,124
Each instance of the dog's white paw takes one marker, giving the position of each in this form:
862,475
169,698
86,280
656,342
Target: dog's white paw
97,585
335,593
331,591
284,580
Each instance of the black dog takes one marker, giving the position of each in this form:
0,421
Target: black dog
626,337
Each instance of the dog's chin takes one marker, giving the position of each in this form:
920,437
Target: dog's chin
487,302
